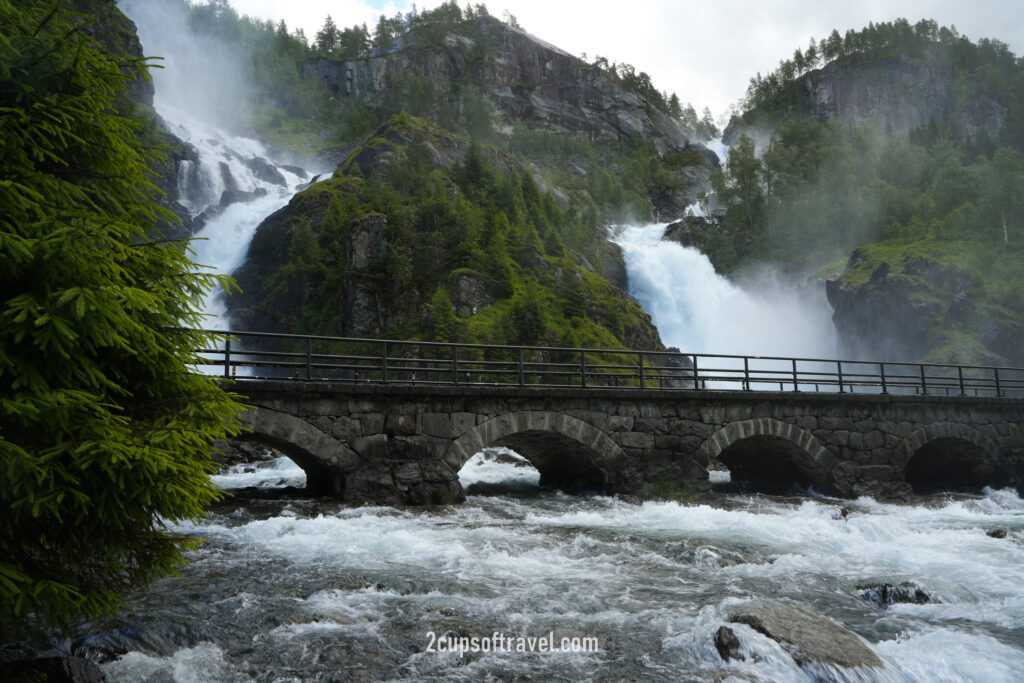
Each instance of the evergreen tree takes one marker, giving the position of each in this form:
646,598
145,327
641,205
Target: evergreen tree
105,431
327,38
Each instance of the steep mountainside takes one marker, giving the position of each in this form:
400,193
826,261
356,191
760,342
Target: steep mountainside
498,84
477,169
524,78
423,234
896,171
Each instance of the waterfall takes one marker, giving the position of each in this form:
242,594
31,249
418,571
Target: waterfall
700,311
228,192
234,184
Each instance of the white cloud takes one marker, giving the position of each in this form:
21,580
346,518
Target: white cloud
705,51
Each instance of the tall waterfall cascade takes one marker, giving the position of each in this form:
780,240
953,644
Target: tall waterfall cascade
228,192
699,311
236,182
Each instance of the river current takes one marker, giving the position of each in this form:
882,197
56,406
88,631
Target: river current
302,589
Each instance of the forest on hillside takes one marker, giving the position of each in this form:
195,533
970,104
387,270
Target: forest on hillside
948,192
806,191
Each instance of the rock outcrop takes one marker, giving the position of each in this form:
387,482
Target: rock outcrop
808,637
525,81
118,35
894,95
918,307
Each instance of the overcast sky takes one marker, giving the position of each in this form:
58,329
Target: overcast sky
705,51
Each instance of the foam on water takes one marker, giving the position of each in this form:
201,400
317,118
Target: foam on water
697,310
272,473
653,582
482,468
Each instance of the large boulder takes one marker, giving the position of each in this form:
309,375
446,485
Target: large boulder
808,637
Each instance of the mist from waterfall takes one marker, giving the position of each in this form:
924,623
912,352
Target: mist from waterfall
700,311
235,183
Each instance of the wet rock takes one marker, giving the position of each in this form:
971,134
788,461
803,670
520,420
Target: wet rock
727,644
884,594
265,171
60,669
709,556
808,637
229,197
296,170
996,533
302,187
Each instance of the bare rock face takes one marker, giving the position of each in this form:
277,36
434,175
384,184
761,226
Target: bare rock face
900,95
526,81
901,310
896,95
809,637
470,294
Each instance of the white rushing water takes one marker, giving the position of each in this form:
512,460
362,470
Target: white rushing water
198,90
699,311
223,241
312,589
274,473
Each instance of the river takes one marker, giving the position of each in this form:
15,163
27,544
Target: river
298,589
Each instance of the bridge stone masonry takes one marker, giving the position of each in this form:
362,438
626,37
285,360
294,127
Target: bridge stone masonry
405,444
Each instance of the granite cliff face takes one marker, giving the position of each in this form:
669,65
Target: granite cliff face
524,78
902,94
118,35
897,93
524,81
913,307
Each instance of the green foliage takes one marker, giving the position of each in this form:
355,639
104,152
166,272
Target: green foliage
104,433
935,195
479,222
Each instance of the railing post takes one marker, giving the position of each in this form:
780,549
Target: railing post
227,357
455,364
796,377
309,359
746,373
839,374
522,370
696,382
924,381
583,368
640,367
960,376
881,375
384,362
998,389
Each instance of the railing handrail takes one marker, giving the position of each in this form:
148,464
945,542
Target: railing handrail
842,374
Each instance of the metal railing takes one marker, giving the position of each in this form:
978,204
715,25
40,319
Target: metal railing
262,355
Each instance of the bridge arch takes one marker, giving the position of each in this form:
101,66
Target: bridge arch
947,456
768,455
569,453
323,458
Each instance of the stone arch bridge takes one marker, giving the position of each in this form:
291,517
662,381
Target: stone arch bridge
404,444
